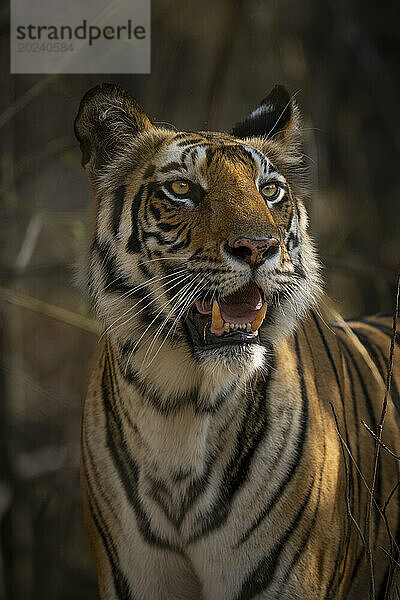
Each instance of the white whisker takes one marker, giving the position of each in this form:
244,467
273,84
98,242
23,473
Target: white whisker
184,305
110,328
140,285
148,327
145,262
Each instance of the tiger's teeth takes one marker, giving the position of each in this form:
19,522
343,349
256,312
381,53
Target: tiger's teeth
218,325
259,317
217,321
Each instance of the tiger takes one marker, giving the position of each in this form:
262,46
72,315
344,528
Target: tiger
223,455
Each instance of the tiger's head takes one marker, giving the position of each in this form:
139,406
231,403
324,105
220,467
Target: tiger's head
199,244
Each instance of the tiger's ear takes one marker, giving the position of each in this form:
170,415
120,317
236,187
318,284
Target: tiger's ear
108,117
275,118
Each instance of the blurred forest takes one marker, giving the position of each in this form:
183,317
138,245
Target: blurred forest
212,62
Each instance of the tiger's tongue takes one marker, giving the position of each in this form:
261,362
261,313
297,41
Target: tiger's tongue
240,307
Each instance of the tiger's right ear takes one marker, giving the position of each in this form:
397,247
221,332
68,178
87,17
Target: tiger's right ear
108,118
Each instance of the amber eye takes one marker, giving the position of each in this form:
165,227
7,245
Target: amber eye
270,191
180,187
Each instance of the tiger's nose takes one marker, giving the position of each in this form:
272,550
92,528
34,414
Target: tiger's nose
254,251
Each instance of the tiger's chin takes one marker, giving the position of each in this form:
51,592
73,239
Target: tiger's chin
235,350
238,331
231,360
224,333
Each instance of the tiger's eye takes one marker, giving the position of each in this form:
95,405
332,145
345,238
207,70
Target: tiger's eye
180,187
270,190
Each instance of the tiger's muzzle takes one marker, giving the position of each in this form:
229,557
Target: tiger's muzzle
234,319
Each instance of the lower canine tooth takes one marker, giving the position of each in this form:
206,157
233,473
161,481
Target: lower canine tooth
226,326
259,317
248,326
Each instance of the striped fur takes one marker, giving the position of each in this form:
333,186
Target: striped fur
218,474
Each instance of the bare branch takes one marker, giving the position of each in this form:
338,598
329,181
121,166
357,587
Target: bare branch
388,450
343,445
368,521
49,310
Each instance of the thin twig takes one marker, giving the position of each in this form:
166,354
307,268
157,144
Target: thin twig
380,511
393,560
29,243
392,567
378,441
368,522
342,445
23,100
49,310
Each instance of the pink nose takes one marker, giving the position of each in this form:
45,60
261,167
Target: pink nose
254,251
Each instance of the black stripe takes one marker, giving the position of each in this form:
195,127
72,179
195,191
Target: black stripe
335,578
338,383
306,536
300,550
125,465
195,488
144,269
169,405
347,355
133,244
183,244
147,235
248,438
380,361
114,280
119,579
149,172
368,401
120,582
261,577
387,331
183,135
297,455
147,316
328,352
168,226
191,142
373,423
155,212
357,565
173,166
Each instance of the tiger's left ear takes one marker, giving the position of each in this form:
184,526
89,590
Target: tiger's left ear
275,118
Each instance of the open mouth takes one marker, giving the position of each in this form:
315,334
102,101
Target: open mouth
233,319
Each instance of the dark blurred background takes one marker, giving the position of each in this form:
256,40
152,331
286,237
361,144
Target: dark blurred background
212,62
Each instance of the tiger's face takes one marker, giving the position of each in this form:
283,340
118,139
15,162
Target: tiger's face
200,239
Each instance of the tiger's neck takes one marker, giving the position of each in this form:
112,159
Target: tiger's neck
180,412
205,436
